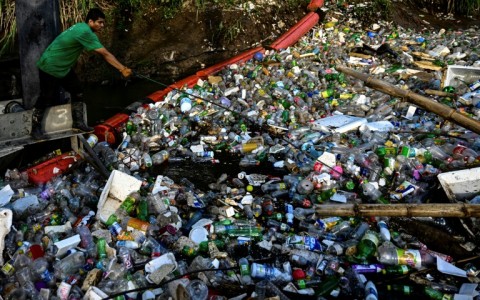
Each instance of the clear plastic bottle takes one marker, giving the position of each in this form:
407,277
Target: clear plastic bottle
40,271
388,254
384,232
245,271
370,291
197,290
69,265
306,256
301,213
147,160
264,271
160,157
371,191
86,241
270,187
124,255
25,279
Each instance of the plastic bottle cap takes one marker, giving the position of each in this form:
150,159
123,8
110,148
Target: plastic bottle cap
198,235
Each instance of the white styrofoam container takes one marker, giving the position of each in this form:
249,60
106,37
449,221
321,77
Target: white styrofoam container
167,258
466,74
461,185
117,188
338,123
64,245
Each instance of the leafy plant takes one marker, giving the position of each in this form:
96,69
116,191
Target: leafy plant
8,26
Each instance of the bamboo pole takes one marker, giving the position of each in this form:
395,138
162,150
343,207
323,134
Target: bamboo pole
424,102
446,210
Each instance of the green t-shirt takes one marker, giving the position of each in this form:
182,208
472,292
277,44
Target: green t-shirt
63,52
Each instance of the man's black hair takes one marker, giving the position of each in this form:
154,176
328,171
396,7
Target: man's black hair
94,14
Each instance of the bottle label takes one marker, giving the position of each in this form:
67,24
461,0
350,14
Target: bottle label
305,242
137,224
337,249
311,243
115,229
301,284
474,85
403,269
244,270
409,257
8,269
46,276
261,270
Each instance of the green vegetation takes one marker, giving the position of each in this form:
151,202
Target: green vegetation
8,26
468,6
373,10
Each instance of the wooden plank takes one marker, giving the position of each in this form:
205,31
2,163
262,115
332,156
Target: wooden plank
446,210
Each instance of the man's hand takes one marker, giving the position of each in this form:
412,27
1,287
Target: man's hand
126,72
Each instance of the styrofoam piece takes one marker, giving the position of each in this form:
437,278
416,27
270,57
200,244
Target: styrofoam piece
167,258
6,218
6,194
67,244
94,293
117,188
22,204
328,159
466,74
382,126
461,185
58,228
338,123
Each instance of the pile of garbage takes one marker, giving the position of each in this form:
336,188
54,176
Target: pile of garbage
302,135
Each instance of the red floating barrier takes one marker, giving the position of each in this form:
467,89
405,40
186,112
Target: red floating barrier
296,32
109,130
159,96
190,81
315,4
46,170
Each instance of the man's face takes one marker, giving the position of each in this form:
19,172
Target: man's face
97,25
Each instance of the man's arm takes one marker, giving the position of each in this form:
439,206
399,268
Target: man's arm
110,58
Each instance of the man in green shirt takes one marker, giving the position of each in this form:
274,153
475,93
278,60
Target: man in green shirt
56,68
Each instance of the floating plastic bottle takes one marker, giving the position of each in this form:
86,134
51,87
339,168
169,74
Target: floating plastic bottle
160,157
390,255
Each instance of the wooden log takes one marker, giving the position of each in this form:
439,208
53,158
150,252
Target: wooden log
439,93
446,210
427,65
444,111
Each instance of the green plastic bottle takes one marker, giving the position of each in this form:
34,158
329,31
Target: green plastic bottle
142,210
436,295
327,286
128,204
400,289
367,247
101,248
396,270
245,231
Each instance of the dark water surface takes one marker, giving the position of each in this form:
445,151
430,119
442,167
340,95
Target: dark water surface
105,101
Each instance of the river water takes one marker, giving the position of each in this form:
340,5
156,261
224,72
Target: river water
104,101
